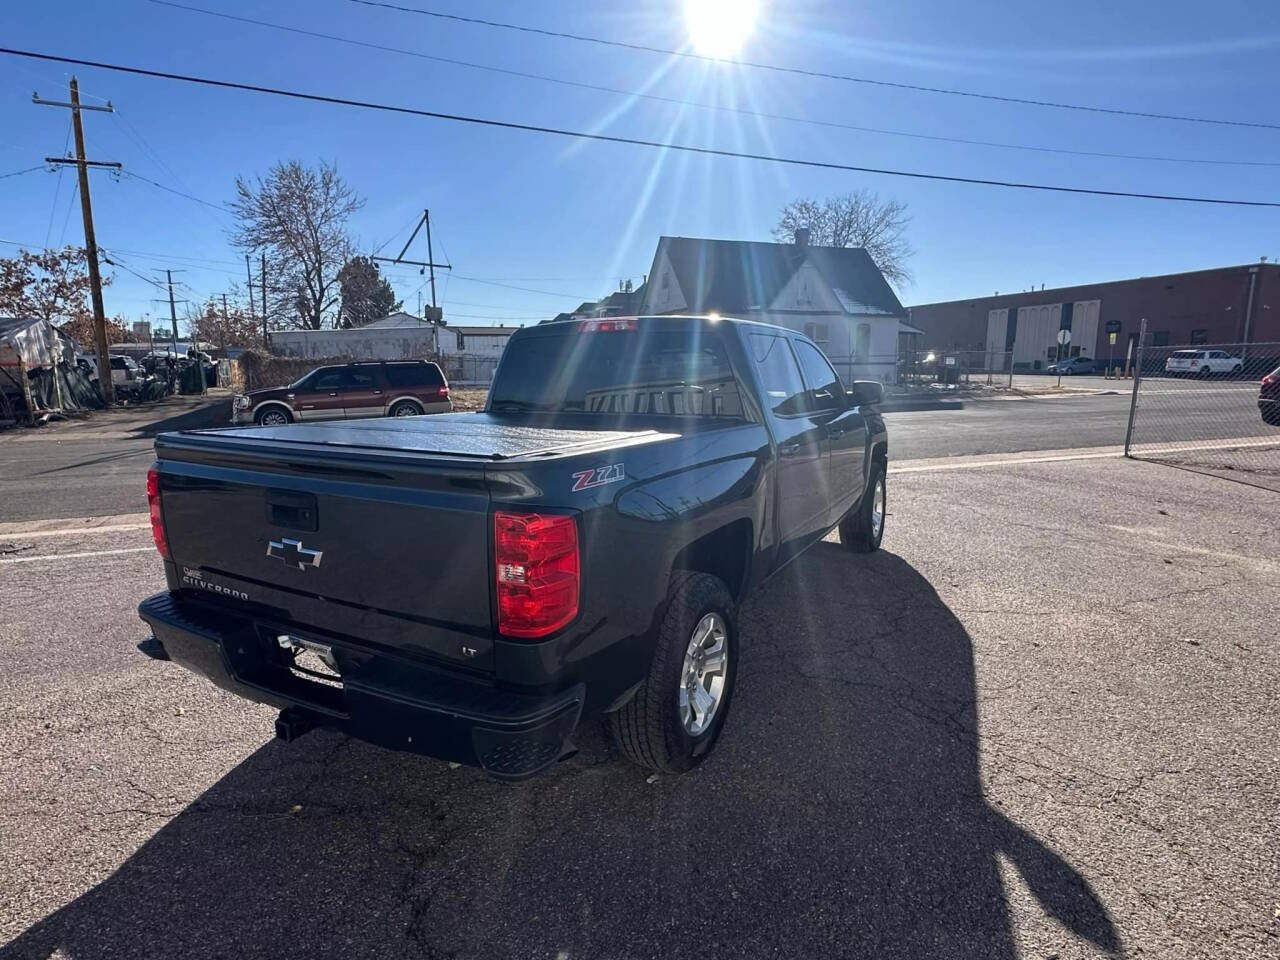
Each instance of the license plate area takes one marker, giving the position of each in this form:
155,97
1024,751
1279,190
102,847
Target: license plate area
309,660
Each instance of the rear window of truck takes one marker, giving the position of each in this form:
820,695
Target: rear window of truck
644,371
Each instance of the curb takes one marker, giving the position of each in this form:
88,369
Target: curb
910,406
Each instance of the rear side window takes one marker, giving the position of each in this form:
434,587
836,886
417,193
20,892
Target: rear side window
825,391
361,378
414,375
778,372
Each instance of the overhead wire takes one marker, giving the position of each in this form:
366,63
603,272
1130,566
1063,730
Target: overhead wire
633,141
18,173
806,72
718,107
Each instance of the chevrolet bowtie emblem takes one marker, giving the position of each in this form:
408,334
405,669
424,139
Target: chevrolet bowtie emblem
293,553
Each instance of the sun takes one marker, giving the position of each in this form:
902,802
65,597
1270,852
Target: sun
719,28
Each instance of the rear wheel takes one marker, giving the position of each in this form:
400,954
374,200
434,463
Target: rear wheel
862,529
676,715
406,408
272,417
1205,371
1237,368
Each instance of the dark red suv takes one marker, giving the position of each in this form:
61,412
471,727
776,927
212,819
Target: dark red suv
394,388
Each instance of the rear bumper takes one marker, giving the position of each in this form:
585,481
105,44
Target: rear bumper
384,699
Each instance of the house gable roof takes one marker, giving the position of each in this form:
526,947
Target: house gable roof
738,276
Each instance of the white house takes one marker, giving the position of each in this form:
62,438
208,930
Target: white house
836,296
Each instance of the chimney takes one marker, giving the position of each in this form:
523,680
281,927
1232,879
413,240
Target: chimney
802,236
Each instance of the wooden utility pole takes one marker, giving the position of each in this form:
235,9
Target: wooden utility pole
222,339
428,264
173,312
248,272
426,218
266,344
90,240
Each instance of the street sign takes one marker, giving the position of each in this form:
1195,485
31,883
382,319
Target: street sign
1111,338
1064,337
1113,326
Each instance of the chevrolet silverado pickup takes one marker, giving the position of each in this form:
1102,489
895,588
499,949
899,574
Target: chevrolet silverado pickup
473,586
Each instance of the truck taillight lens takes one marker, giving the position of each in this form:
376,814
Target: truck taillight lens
153,507
537,572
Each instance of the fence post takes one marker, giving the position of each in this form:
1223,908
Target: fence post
1137,379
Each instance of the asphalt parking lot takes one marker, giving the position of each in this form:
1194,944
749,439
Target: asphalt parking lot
1040,723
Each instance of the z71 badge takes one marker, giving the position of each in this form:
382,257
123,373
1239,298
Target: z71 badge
586,479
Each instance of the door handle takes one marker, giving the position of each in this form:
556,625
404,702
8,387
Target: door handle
377,393
835,434
788,449
333,394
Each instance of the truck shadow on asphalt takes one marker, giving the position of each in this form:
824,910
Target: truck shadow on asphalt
843,815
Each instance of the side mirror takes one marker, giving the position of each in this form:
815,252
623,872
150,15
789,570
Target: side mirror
866,392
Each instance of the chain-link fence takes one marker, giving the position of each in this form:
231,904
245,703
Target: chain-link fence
472,371
990,367
1213,408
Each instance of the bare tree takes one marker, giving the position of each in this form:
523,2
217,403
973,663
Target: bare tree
860,219
298,217
51,284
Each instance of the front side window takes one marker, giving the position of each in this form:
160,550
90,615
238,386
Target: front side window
330,378
778,372
825,391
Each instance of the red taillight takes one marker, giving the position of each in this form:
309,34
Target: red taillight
536,569
1269,379
442,391
153,507
601,326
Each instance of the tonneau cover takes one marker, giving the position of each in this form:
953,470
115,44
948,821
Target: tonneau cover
472,435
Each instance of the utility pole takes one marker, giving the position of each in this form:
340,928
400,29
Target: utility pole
90,240
429,264
248,272
222,339
173,312
426,218
266,344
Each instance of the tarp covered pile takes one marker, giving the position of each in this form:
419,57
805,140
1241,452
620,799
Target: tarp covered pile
39,349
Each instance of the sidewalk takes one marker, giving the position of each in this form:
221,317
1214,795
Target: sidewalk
135,421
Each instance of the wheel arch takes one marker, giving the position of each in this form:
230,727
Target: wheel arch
277,404
724,553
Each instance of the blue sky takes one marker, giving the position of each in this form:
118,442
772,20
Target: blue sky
569,219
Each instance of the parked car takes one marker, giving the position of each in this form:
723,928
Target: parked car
349,391
1202,363
629,482
1269,398
1074,365
123,369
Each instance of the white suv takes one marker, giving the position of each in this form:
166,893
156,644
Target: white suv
1202,363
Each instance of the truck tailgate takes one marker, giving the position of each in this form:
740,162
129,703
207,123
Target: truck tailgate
396,558
376,532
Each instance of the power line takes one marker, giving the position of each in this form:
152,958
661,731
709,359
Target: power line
137,176
18,173
720,108
778,68
630,141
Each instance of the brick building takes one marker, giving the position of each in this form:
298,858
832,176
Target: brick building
1225,305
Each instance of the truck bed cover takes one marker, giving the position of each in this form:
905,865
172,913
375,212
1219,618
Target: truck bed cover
467,435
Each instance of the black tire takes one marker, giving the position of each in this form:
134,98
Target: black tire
648,729
267,417
858,532
1206,372
406,408
1271,417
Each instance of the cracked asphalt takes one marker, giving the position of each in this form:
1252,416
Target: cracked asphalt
1041,722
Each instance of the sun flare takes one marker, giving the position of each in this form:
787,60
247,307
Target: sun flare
719,28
